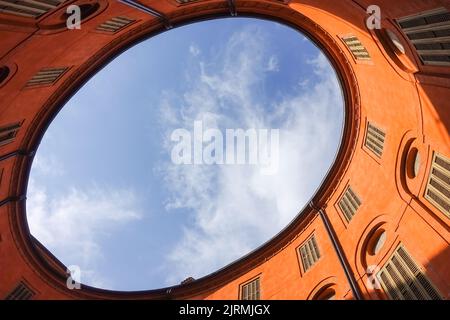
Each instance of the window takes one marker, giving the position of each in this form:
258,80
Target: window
114,25
413,162
429,32
375,138
4,73
21,292
356,47
349,203
402,279
28,8
438,187
187,280
326,293
309,253
376,242
46,76
186,1
8,133
251,290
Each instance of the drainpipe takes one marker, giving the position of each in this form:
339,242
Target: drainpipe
12,199
17,153
338,249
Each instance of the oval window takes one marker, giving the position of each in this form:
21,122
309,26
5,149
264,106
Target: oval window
4,73
396,41
413,163
327,293
377,242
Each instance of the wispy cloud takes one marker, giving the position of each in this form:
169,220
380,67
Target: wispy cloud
273,64
194,50
48,165
235,208
73,224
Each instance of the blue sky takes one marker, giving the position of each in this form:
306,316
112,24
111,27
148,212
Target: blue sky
104,193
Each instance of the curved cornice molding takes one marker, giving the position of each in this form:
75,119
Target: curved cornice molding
79,75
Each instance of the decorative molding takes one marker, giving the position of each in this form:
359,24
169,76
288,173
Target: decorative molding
78,75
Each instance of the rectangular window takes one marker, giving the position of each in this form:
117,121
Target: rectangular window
349,203
28,8
8,133
375,138
309,253
355,46
429,32
438,187
21,292
251,290
46,76
402,279
115,24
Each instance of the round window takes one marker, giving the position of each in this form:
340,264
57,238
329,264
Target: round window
4,73
327,293
413,163
377,242
396,41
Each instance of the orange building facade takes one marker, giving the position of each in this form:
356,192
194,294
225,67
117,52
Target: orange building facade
378,227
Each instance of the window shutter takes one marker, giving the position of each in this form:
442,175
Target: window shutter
114,25
21,292
355,46
251,290
375,138
438,187
309,253
429,32
28,8
403,279
45,77
349,203
8,133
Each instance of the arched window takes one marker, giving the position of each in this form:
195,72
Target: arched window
376,242
4,73
326,293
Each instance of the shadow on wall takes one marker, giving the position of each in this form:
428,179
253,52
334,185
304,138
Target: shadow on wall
437,98
402,278
438,271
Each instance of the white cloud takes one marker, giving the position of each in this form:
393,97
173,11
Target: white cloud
194,50
304,83
235,208
73,225
273,65
48,165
